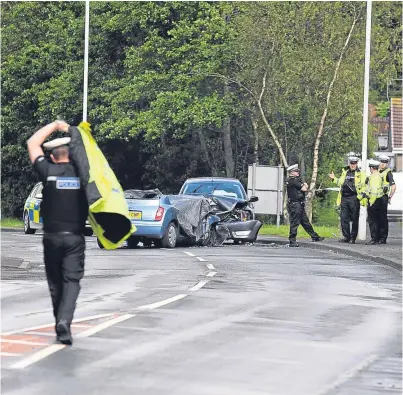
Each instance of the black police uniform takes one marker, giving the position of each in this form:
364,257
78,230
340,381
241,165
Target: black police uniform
383,207
350,207
64,210
296,208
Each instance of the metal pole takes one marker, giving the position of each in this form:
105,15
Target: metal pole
279,186
253,179
362,232
86,40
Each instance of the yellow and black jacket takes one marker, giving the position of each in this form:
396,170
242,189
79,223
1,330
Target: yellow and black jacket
108,210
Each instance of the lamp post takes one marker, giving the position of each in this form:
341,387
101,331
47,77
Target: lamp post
362,233
86,40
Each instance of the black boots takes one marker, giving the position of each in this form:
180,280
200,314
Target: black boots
316,239
63,333
294,244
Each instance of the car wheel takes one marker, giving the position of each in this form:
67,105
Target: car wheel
27,225
170,237
132,242
88,232
100,245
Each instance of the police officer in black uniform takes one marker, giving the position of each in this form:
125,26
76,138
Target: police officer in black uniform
296,189
389,186
64,210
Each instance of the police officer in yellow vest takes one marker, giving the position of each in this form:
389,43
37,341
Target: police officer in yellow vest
372,198
351,183
389,188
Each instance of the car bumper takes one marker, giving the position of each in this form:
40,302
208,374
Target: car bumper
244,231
148,229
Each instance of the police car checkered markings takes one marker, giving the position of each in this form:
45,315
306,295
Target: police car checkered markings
68,183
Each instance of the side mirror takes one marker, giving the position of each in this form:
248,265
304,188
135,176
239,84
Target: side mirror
38,196
253,199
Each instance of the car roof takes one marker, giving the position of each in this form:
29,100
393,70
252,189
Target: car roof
212,179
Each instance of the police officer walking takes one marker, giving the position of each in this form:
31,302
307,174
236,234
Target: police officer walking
389,188
372,197
296,189
64,210
351,181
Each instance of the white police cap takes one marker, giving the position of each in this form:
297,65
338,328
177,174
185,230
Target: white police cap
373,163
57,143
353,159
384,158
292,168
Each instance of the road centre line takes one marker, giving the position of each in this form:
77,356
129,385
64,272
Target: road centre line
41,354
199,285
162,302
33,328
211,274
210,266
200,259
188,253
104,325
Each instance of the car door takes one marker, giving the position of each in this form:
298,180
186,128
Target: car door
33,205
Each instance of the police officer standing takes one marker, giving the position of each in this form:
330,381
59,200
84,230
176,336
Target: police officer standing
64,210
372,197
296,189
389,188
351,181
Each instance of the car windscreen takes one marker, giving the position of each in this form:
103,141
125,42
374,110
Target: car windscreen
218,188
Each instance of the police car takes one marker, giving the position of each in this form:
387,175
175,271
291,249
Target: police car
32,216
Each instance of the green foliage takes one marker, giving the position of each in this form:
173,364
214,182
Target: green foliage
329,232
382,109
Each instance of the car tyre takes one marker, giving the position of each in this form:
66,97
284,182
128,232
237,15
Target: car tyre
170,237
132,242
27,225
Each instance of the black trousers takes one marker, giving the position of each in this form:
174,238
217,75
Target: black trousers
384,223
350,212
64,263
374,219
298,217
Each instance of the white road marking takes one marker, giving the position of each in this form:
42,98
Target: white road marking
163,302
211,274
32,328
188,253
23,265
41,354
199,285
26,342
348,374
105,325
9,354
200,259
40,333
210,266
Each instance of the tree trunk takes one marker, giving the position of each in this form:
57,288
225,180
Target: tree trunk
255,139
226,137
312,186
209,161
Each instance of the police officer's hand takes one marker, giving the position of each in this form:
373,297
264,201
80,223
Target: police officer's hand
62,126
331,175
389,200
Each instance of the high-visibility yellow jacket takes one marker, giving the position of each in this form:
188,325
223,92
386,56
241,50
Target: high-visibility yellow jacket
108,210
373,189
385,183
359,182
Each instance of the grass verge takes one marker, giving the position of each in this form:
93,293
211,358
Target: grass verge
11,223
283,230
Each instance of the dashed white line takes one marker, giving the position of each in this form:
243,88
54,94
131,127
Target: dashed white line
200,259
211,274
162,302
23,265
9,354
105,325
199,285
41,354
188,253
210,266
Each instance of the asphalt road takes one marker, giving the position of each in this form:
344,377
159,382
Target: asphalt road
232,320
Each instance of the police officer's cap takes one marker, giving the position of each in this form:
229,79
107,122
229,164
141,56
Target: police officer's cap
293,168
373,163
50,145
353,159
384,158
